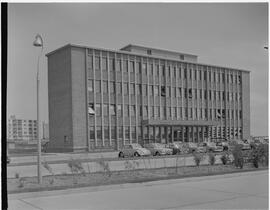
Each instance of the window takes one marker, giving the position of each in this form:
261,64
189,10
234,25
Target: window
138,67
132,89
106,132
118,88
104,63
185,93
125,66
205,75
185,73
163,91
179,92
210,78
168,92
139,89
163,70
190,74
157,71
180,73
157,111
92,132
149,52
169,72
132,111
145,111
99,132
105,86
223,96
182,57
144,89
133,132
112,87
97,63
144,70
151,70
120,132
151,90
105,109
111,64
90,86
113,132
190,93
112,110
98,88
174,92
125,88
239,79
168,112
214,76
98,110
127,132
195,74
126,110
152,110
156,90
118,65
119,109
210,95
132,66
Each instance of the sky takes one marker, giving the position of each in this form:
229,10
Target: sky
226,34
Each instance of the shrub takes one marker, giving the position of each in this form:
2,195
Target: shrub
105,167
259,155
224,158
21,182
75,168
238,156
212,159
197,158
48,167
17,175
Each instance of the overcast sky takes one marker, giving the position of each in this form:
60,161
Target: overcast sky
231,35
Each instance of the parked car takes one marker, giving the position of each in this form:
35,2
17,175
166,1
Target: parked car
245,145
223,141
183,147
175,147
214,147
158,149
192,147
131,150
202,147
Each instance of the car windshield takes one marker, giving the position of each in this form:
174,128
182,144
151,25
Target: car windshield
157,145
136,146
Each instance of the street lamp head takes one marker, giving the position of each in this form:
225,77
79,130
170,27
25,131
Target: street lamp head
38,41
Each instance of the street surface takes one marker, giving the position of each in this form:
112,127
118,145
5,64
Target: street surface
235,191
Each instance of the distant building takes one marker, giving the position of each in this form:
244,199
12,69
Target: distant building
21,129
102,99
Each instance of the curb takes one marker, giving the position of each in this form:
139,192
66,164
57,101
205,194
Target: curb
130,185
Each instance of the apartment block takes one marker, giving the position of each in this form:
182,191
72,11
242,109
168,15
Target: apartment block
21,129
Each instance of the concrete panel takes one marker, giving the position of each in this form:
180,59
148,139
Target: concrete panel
246,104
79,114
59,91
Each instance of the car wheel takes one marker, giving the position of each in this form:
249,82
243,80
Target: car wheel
136,154
121,155
157,154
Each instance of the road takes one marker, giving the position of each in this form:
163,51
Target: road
247,190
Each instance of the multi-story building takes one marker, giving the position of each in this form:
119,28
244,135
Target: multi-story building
22,129
101,99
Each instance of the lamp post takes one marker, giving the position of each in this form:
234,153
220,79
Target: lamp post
38,43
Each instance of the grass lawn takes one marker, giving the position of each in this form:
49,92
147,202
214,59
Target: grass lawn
131,175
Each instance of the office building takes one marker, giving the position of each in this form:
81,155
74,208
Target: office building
101,99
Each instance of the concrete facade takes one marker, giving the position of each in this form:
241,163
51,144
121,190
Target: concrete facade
141,94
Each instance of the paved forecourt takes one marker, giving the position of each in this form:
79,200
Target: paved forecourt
247,190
